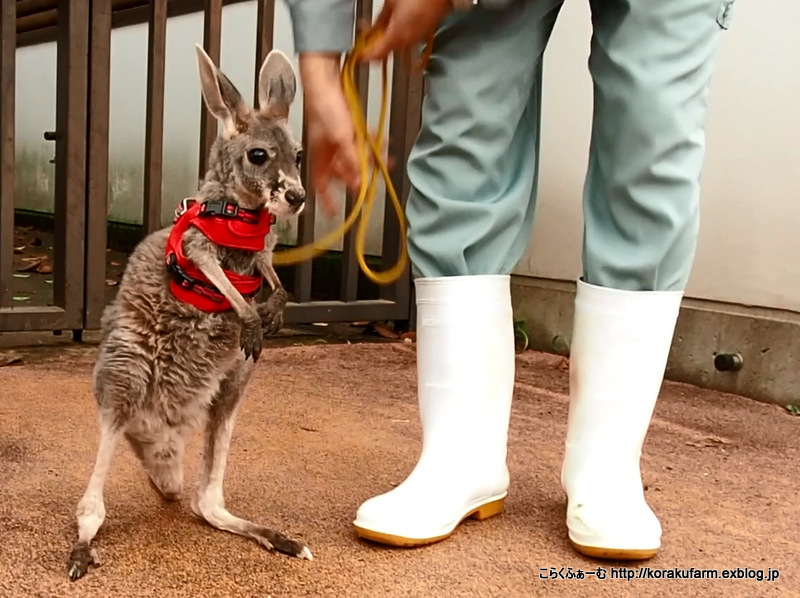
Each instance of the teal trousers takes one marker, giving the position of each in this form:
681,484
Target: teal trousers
474,167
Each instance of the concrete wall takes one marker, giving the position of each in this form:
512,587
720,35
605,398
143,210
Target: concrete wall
36,109
767,341
749,242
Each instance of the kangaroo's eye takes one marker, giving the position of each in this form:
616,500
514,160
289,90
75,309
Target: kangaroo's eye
298,160
257,156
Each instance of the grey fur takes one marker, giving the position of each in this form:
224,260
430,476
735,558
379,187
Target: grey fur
164,368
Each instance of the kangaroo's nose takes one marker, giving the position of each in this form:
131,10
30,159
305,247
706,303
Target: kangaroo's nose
295,196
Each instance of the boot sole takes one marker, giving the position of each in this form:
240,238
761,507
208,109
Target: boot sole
615,554
480,513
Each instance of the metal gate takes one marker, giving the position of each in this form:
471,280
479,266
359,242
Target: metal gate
82,30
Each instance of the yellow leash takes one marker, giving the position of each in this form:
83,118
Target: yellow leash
365,143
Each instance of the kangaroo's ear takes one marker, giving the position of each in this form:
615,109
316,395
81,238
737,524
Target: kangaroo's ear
277,85
221,97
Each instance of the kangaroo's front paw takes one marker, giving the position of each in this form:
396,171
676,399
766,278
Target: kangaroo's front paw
250,337
271,311
79,560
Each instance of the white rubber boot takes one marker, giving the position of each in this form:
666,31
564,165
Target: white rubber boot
465,368
620,344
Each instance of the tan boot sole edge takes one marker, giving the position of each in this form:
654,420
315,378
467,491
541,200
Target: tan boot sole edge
482,512
615,554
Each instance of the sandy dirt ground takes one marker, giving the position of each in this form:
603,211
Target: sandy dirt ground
326,426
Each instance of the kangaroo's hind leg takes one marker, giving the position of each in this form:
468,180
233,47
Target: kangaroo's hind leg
120,387
209,503
161,454
91,510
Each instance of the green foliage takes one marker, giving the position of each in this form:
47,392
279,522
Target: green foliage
521,337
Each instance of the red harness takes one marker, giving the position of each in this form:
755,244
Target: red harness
227,225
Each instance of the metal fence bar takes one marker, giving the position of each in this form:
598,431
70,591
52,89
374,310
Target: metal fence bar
84,34
406,111
8,39
265,37
28,7
305,224
212,44
154,120
97,164
337,311
350,269
70,191
22,319
40,27
38,20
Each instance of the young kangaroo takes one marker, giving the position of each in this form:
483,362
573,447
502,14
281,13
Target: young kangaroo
177,341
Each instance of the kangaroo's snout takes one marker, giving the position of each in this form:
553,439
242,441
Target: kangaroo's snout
295,196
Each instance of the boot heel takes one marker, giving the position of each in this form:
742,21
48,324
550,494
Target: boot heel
490,509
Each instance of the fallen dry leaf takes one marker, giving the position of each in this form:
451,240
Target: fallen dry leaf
19,249
37,264
115,264
381,330
563,365
111,283
10,358
31,266
410,336
708,442
34,258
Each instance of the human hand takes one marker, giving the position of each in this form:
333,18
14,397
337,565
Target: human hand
405,23
331,136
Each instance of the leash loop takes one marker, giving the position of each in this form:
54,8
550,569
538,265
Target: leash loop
368,145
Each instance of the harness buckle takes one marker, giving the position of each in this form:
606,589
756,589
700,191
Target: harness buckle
219,207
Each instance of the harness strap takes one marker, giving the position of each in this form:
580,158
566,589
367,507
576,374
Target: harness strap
214,219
